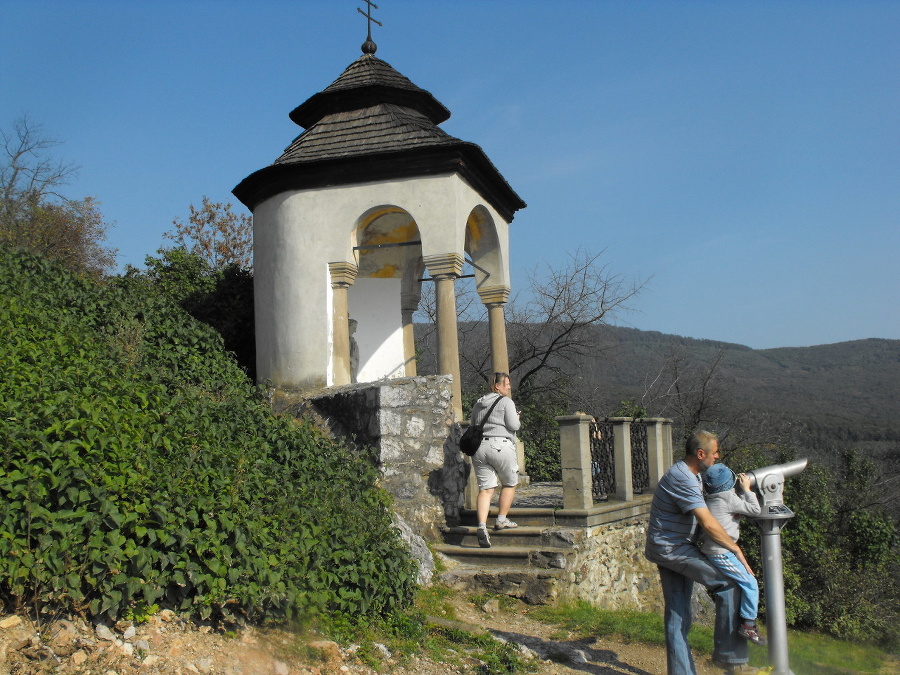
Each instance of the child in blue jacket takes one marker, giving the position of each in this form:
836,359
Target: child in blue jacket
728,505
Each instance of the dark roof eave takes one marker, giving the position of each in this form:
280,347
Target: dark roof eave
328,102
466,159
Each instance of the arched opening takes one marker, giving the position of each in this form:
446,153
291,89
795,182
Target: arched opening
381,301
482,247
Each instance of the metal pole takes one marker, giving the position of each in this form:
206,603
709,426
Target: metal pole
773,575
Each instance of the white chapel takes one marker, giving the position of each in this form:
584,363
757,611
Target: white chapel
369,202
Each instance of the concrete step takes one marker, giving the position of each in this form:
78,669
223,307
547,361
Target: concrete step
531,585
524,535
536,517
519,556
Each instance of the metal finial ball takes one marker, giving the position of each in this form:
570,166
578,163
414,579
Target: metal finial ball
369,47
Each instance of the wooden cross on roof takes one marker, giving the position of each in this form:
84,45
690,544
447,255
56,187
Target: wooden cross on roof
369,47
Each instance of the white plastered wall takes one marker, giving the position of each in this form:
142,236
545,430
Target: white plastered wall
296,235
375,304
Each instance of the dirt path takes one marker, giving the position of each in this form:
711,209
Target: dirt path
165,645
559,654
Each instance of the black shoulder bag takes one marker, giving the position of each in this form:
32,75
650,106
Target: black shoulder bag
471,439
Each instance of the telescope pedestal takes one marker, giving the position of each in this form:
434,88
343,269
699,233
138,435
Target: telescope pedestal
770,526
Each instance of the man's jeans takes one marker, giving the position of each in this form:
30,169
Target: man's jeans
677,577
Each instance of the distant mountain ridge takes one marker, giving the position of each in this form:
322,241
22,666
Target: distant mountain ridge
855,383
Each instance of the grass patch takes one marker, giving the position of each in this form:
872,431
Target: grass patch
808,653
816,654
584,619
504,602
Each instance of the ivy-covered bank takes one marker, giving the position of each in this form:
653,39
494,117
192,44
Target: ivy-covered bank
139,467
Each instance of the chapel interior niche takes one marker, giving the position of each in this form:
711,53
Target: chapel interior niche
389,260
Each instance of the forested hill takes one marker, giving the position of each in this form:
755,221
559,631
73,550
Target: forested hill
855,383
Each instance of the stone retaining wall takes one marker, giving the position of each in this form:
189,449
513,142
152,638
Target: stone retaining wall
408,423
608,568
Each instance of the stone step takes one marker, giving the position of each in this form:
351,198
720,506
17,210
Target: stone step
532,585
537,517
516,556
524,535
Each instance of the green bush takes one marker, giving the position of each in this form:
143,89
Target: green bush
139,466
220,297
540,436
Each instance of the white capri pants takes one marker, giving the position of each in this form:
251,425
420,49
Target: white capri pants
496,463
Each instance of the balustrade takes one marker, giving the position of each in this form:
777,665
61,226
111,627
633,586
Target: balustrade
613,459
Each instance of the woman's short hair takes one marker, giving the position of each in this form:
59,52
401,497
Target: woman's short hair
697,440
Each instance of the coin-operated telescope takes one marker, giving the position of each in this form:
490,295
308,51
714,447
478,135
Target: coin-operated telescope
768,483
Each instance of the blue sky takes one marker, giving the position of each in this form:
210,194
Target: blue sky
741,157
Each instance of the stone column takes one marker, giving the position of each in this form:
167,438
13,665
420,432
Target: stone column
575,458
444,270
656,449
669,457
494,299
343,274
409,302
622,450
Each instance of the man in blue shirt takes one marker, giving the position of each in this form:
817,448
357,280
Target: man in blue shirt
677,511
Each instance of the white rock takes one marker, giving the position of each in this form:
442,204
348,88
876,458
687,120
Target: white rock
11,621
104,633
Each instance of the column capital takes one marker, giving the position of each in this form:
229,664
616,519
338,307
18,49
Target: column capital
342,274
409,302
494,295
444,264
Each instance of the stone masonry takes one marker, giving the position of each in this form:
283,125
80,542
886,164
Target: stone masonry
608,568
408,425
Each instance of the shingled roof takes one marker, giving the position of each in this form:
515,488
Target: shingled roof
372,123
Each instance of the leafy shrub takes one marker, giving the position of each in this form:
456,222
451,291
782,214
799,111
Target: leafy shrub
540,436
221,297
139,467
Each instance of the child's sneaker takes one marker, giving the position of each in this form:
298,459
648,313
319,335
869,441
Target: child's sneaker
504,524
484,541
749,631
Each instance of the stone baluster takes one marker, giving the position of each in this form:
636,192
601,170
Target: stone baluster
669,454
656,448
575,458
